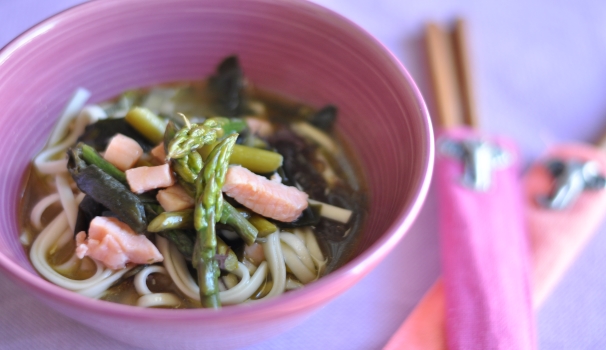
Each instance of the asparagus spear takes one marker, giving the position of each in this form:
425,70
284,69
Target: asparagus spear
167,221
92,157
264,226
232,217
147,123
226,257
184,219
191,137
256,160
208,208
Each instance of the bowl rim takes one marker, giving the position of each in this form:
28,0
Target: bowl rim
358,266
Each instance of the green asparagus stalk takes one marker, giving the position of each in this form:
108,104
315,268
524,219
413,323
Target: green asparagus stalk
230,125
228,260
92,157
255,159
232,217
207,211
264,226
191,137
147,123
172,220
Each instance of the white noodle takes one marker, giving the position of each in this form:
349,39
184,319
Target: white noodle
60,231
98,289
149,299
51,166
250,266
298,246
318,136
177,269
230,280
66,236
68,265
158,299
67,200
293,284
39,251
141,278
40,207
74,105
332,212
242,291
42,160
273,255
94,113
171,267
314,250
295,265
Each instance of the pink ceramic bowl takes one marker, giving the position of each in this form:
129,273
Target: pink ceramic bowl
292,47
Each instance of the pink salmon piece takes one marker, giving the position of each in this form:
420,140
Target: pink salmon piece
146,178
123,152
268,198
115,244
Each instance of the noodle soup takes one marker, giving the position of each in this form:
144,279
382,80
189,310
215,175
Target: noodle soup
192,194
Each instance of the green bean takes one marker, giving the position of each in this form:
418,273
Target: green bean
147,123
255,159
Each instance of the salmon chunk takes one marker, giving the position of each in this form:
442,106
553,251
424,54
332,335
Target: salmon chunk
174,198
115,244
268,198
158,153
123,152
260,127
146,178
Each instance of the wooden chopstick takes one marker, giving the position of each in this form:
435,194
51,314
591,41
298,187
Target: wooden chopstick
470,114
451,75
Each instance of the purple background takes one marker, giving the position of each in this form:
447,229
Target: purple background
540,76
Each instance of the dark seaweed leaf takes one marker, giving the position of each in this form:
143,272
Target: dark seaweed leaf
325,118
88,209
97,135
227,87
297,165
107,191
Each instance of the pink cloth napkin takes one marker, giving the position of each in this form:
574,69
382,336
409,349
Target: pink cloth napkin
556,238
484,254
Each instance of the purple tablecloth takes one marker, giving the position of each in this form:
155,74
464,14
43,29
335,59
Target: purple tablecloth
540,73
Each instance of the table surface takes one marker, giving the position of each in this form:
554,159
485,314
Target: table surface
540,76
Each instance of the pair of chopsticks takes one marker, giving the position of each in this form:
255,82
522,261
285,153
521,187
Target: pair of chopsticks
451,75
556,235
